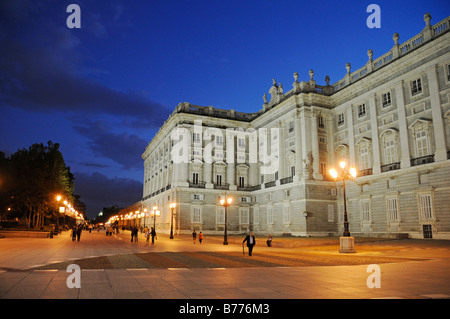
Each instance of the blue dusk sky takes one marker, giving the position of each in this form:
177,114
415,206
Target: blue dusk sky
102,91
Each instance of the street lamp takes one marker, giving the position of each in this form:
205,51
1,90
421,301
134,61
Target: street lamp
225,202
347,244
172,207
154,214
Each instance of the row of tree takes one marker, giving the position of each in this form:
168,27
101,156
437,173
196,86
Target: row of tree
30,180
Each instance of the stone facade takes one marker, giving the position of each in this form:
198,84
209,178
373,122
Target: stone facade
390,119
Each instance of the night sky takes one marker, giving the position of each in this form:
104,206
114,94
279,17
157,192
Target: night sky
103,90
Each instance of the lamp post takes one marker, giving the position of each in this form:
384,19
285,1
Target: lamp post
155,213
225,202
172,207
347,244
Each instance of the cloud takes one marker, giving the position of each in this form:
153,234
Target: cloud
123,148
97,191
45,73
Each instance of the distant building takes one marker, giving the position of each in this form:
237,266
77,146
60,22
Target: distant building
390,119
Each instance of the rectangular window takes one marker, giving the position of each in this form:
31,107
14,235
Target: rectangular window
330,213
341,120
255,215
292,170
425,206
320,122
391,152
386,99
195,178
323,168
269,216
416,87
365,210
361,110
241,181
244,215
286,215
392,209
220,217
196,137
364,158
219,180
241,142
422,144
196,215
219,140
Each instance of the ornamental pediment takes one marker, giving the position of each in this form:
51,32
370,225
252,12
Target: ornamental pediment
420,124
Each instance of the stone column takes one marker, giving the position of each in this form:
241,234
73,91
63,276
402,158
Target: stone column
330,139
305,119
231,164
436,111
375,141
351,136
315,146
281,150
253,178
405,160
298,147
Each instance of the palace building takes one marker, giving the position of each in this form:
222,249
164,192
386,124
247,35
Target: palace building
390,119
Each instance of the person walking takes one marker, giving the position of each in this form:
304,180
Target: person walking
136,231
78,233
200,237
153,234
132,233
147,235
194,236
251,241
74,233
269,241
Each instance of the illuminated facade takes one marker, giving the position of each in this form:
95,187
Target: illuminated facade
390,119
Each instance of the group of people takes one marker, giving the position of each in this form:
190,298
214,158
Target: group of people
150,232
76,232
200,237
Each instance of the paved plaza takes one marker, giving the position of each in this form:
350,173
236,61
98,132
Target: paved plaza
112,267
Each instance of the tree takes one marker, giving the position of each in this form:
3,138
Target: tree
38,175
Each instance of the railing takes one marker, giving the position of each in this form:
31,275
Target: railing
422,160
427,34
197,185
221,186
365,172
269,184
390,167
286,180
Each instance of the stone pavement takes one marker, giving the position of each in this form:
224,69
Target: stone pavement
422,271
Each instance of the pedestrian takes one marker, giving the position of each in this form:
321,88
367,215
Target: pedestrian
136,230
269,241
79,233
132,233
74,233
200,237
194,236
251,241
147,235
153,234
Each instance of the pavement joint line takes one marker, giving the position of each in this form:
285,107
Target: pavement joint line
179,269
